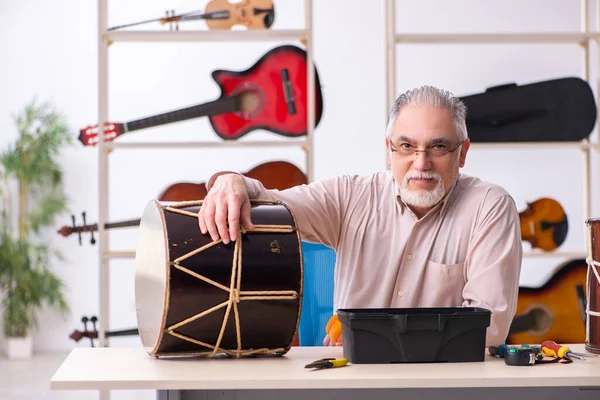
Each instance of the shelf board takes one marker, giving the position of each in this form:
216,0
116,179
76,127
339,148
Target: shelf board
498,38
119,254
212,144
554,254
205,35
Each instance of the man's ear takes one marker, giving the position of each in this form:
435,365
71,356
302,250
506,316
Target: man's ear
463,152
387,147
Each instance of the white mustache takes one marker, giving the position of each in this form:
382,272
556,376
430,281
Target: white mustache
421,175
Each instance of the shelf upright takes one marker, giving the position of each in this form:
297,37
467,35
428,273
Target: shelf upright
103,198
105,39
583,38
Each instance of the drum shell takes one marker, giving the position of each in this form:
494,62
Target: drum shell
270,262
592,341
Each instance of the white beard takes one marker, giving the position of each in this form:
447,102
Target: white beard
426,199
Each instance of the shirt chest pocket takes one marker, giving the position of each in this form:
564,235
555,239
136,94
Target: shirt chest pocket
446,271
444,284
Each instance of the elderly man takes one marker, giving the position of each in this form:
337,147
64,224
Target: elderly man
419,235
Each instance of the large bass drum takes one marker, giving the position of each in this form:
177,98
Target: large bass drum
195,296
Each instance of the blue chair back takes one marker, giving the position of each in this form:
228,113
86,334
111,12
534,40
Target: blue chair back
317,303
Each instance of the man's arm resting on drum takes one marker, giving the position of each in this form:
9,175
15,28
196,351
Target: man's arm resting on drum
318,208
493,267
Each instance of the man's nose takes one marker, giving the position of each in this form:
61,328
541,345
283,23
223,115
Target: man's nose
421,162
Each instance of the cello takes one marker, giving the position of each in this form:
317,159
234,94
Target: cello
278,175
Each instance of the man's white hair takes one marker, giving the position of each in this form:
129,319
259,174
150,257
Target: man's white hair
434,97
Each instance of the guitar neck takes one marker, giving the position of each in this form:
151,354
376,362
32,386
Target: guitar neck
109,225
521,323
219,106
123,332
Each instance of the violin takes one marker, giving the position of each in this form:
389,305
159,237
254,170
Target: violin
278,175
544,224
221,14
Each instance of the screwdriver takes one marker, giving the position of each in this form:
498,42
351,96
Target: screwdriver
552,349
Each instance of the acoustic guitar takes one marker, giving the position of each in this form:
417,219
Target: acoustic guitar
271,95
221,14
278,175
555,311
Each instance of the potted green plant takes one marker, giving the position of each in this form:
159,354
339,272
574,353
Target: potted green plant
31,194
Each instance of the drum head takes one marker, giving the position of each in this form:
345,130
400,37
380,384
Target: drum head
151,261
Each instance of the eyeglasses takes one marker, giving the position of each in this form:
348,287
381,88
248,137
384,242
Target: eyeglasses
437,150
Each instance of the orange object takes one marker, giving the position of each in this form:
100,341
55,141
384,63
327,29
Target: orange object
334,329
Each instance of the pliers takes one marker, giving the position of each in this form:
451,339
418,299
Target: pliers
327,363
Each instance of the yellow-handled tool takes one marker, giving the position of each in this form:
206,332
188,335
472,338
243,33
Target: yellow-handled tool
553,349
328,363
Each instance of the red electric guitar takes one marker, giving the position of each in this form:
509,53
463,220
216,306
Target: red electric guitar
271,94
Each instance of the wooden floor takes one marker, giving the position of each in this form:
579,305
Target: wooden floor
30,380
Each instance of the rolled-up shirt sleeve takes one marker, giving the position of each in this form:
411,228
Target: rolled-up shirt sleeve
493,266
318,207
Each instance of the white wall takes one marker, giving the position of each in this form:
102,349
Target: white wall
49,50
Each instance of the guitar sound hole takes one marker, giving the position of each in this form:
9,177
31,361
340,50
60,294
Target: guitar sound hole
252,100
541,319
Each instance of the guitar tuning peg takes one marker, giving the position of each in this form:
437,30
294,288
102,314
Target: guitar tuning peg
167,16
176,22
85,321
92,240
74,228
94,319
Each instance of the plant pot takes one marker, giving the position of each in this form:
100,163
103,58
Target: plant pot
18,348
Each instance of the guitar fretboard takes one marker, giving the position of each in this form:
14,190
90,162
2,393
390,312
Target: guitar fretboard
219,106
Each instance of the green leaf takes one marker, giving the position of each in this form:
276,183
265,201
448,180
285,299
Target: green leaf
27,282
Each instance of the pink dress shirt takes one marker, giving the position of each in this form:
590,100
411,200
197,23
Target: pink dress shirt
466,251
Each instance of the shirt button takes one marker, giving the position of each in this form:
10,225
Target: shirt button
409,257
400,293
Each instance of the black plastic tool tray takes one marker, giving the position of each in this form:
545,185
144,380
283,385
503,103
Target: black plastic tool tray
404,335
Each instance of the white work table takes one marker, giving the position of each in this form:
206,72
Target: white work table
132,368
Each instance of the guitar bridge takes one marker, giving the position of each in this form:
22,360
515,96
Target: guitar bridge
288,92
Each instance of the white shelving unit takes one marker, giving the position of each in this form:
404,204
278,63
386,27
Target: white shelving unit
105,40
585,38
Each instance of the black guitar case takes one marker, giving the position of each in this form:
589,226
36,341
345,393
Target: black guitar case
560,110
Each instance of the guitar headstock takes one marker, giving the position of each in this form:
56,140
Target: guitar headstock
89,135
171,19
69,230
77,335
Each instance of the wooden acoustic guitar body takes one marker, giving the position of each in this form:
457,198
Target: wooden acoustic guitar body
554,311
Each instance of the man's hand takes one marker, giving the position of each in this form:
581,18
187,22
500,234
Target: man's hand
327,341
223,207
